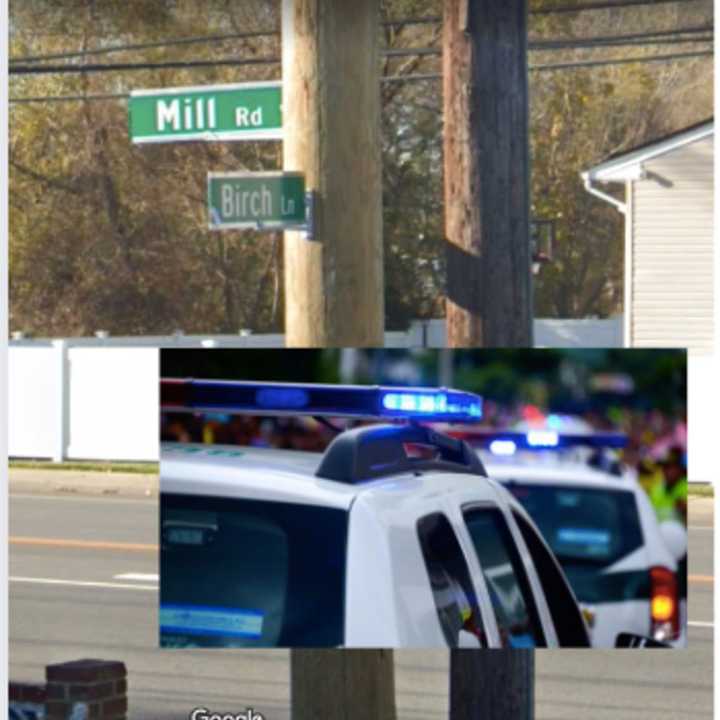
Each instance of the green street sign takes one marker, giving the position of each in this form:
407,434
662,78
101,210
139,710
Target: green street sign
262,201
250,111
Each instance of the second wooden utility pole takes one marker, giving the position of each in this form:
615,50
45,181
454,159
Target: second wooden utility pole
331,119
486,156
492,684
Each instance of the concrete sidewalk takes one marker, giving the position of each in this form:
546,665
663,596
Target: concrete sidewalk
702,509
50,482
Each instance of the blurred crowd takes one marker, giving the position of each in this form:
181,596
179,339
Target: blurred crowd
656,450
285,433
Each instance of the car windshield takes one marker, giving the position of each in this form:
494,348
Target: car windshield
588,529
250,573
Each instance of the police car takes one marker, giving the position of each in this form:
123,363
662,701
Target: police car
393,537
621,562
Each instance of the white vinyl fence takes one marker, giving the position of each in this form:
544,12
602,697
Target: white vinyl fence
90,403
97,398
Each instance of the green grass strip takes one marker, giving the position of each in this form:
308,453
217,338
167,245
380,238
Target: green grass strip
700,490
77,466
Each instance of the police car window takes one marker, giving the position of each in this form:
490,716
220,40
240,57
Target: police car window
510,592
589,529
249,573
452,588
569,625
596,526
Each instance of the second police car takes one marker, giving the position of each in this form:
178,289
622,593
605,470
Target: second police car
624,565
393,537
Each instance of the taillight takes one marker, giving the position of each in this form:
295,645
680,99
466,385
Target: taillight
664,611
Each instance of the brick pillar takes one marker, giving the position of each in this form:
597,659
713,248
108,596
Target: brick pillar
86,689
28,698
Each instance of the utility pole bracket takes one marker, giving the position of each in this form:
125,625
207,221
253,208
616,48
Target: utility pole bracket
310,215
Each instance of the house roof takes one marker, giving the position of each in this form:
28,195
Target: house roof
627,165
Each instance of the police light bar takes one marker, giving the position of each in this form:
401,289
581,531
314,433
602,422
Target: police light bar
509,442
350,401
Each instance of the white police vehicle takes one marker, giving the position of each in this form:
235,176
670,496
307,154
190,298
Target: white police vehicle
622,564
393,537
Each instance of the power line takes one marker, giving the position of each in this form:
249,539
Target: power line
68,98
549,10
568,65
622,61
145,46
577,44
583,7
544,45
656,33
534,45
411,52
418,77
116,67
654,37
270,33
585,45
624,43
191,41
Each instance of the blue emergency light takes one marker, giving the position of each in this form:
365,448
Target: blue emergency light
507,443
350,401
542,438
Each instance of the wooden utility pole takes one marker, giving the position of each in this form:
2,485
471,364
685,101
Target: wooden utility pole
334,281
331,118
486,154
487,228
342,684
492,684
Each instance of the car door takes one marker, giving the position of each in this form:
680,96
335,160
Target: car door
515,600
408,581
568,623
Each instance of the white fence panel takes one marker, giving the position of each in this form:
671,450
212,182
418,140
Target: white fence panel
578,333
34,401
548,333
114,403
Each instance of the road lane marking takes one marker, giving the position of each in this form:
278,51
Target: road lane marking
128,586
80,583
700,578
142,577
84,544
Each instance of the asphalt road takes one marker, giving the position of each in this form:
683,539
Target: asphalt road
94,595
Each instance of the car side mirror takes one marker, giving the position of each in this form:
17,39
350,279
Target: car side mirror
631,640
674,536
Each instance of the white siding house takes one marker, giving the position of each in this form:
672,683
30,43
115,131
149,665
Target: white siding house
668,207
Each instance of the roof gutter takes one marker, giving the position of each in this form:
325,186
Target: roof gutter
587,180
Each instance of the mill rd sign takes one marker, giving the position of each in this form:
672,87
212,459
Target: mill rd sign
249,111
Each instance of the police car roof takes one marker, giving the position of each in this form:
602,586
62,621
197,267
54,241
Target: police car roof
282,476
553,470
